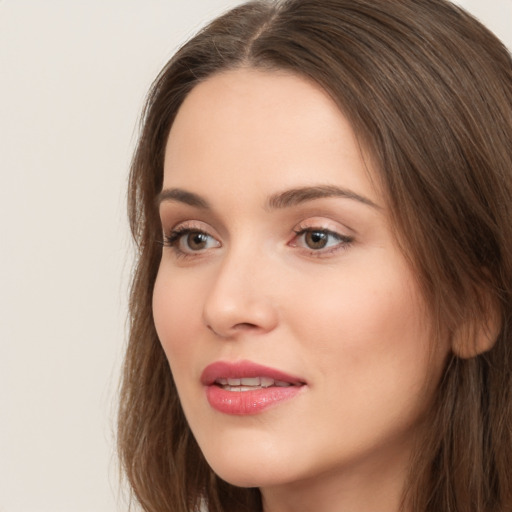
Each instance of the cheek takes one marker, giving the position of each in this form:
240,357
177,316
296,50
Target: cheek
176,310
368,331
177,315
358,309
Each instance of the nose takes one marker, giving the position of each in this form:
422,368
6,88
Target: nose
240,299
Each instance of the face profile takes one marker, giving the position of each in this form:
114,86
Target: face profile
321,305
279,253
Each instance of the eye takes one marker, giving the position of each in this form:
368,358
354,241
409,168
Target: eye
320,239
187,241
317,239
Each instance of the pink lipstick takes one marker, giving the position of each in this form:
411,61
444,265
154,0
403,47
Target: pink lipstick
244,387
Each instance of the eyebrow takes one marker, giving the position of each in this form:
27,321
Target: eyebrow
276,201
182,196
300,195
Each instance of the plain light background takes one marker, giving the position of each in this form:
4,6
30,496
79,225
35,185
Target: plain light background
73,75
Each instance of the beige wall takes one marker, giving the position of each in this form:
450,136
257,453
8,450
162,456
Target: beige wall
72,78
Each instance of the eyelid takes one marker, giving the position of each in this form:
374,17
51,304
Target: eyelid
191,225
321,223
172,238
325,226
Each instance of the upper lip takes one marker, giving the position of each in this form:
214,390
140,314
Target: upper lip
244,369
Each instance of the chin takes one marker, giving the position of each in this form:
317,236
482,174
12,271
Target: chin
238,478
249,477
244,472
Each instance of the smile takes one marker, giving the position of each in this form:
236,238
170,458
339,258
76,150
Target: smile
250,383
246,388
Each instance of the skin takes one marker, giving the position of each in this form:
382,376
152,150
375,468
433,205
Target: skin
348,319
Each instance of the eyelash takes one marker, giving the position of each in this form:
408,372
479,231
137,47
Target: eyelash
173,239
343,241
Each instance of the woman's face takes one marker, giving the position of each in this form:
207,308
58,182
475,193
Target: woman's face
294,328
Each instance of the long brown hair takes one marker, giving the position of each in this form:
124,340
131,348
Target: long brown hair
428,91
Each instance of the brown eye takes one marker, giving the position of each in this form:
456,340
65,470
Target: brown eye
316,239
320,241
196,240
189,241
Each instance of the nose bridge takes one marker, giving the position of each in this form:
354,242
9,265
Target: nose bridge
239,297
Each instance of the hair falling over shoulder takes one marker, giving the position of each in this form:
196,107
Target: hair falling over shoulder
428,91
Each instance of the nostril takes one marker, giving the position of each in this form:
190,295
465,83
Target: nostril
243,326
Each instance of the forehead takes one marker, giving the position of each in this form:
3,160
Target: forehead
245,126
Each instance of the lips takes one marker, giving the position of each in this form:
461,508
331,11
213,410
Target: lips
250,383
245,387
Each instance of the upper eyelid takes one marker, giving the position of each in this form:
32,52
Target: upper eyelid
313,229
192,224
320,223
173,213
325,224
342,238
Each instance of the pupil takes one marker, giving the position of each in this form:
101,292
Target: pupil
316,239
196,241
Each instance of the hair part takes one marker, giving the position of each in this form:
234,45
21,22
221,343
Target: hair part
428,91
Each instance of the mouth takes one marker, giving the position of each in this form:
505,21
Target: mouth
250,383
245,388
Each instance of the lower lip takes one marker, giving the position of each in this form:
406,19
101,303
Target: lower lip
248,402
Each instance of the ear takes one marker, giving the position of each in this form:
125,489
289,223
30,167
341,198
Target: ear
478,334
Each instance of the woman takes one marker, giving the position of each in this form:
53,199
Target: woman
325,323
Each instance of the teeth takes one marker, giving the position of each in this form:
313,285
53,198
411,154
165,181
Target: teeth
240,388
266,382
255,381
250,383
